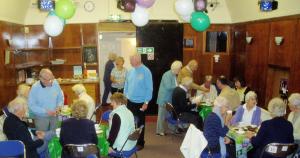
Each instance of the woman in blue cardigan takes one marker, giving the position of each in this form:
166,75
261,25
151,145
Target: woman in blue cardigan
276,130
215,129
249,113
167,84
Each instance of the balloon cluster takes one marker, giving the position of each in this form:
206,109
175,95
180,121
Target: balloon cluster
192,11
55,21
138,8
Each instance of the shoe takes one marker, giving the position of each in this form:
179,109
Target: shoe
160,134
139,147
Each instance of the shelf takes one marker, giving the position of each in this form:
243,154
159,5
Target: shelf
29,64
65,48
92,64
74,64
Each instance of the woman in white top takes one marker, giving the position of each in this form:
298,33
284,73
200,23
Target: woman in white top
212,94
294,116
80,91
117,76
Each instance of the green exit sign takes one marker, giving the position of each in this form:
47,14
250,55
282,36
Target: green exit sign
145,50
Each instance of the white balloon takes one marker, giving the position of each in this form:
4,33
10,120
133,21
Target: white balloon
186,18
184,7
140,16
53,25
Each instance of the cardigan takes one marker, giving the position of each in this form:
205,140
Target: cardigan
256,117
166,87
213,130
77,131
15,129
269,133
296,125
180,102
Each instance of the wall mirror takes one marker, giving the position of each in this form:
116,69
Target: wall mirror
216,41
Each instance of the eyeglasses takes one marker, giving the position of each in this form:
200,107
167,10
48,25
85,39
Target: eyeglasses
47,80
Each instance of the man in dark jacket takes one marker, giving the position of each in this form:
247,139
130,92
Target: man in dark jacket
15,129
182,106
106,77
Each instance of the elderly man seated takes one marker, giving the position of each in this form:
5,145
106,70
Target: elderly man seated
294,116
182,106
248,113
15,129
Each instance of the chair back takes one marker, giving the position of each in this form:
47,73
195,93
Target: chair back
105,116
5,111
133,136
170,108
81,150
12,148
280,149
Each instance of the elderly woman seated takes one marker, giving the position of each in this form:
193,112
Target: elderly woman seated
212,94
78,130
215,129
15,129
294,116
80,91
276,130
249,113
121,124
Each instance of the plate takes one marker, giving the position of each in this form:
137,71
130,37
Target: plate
99,131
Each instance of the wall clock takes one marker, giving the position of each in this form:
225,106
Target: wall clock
89,6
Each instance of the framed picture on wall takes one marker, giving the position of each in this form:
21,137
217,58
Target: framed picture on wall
189,43
89,54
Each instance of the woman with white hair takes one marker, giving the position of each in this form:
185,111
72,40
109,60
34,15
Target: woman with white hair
212,94
276,130
215,129
80,91
167,84
249,113
294,116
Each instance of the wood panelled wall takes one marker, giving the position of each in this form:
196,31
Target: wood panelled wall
207,66
35,45
261,62
13,32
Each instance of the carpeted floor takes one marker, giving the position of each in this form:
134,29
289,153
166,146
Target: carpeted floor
160,146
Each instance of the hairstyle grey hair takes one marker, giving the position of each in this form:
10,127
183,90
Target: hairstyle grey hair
78,88
249,95
16,105
22,90
186,81
176,65
208,77
294,99
277,107
79,109
45,71
221,101
112,56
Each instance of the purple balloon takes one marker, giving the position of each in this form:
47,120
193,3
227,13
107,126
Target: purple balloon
145,3
200,5
126,5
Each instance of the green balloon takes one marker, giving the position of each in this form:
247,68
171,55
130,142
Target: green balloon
65,9
200,21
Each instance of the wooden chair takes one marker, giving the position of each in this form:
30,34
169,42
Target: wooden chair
279,149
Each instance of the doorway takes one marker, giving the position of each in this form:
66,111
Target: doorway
120,43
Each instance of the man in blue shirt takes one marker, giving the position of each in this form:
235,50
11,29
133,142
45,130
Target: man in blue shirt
44,99
138,90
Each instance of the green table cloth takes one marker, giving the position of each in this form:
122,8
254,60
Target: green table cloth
55,148
204,110
242,144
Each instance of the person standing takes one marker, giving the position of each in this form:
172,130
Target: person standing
117,76
167,84
138,90
188,71
106,77
44,100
